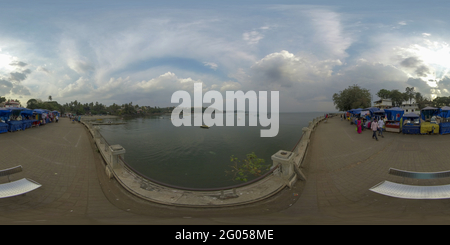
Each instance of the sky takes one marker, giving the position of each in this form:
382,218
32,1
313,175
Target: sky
144,51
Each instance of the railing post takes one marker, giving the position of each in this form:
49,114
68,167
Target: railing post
116,151
286,169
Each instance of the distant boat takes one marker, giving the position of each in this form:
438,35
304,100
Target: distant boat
204,126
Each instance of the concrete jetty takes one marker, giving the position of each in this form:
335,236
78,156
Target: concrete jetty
339,169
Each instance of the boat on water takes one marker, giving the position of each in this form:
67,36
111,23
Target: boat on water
204,126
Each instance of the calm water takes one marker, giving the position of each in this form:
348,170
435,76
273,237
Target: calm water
197,157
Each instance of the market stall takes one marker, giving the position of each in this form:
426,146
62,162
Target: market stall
40,117
394,119
428,123
411,124
444,123
26,115
354,115
15,123
4,116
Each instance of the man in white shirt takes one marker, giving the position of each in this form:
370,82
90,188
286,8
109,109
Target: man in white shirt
380,127
374,127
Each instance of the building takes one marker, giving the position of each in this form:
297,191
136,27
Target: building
10,103
410,107
383,104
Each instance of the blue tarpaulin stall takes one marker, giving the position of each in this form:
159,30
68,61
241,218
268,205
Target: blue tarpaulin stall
354,115
428,125
379,113
444,124
41,116
394,119
411,124
4,115
428,112
15,126
394,114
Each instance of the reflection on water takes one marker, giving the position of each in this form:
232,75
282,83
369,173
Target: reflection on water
197,157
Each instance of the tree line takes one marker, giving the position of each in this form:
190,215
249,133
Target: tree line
78,108
357,97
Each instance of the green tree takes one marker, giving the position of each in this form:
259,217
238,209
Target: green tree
397,97
252,165
351,98
31,103
410,93
384,94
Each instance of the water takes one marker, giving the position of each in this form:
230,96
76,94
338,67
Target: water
196,157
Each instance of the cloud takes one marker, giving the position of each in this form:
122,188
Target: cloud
285,69
211,65
20,75
420,69
19,89
5,86
18,63
80,66
80,87
42,69
252,37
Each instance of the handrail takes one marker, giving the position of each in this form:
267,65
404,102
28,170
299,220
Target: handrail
198,189
191,188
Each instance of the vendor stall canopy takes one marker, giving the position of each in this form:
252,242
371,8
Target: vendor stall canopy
444,112
5,113
428,112
355,111
411,115
394,114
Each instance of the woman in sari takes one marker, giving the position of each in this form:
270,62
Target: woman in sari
358,125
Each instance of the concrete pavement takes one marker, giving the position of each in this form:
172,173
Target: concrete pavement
340,168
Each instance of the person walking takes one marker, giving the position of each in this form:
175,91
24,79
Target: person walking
359,125
374,127
380,127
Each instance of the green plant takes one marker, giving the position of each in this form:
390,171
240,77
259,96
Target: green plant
252,165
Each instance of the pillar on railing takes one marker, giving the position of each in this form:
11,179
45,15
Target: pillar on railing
116,151
286,169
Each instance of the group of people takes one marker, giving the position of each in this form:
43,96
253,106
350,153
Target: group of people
376,125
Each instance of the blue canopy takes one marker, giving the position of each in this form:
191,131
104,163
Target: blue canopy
5,113
444,112
394,114
411,115
40,111
25,111
428,112
355,111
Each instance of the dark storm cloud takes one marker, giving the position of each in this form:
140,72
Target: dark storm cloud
18,63
20,76
416,64
422,71
411,62
20,89
5,84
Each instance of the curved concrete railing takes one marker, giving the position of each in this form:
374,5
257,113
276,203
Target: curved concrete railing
284,172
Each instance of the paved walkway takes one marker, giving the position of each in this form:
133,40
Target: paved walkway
340,167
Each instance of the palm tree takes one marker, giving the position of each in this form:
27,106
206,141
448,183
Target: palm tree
50,97
410,93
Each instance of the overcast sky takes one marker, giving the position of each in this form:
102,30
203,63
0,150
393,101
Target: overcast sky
143,51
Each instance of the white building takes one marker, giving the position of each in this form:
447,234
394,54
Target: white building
383,104
10,104
410,107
